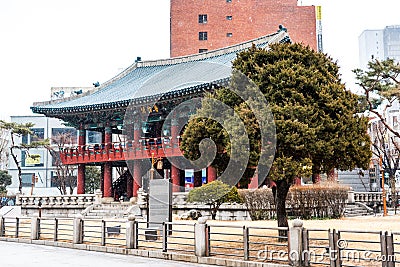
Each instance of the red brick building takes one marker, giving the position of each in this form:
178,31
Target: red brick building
201,25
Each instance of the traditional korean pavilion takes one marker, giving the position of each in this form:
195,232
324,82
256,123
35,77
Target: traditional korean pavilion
132,111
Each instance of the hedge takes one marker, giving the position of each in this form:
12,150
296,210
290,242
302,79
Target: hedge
306,202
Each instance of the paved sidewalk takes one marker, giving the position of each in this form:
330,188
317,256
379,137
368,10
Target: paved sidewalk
22,255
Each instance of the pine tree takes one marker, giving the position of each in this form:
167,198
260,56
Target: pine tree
313,113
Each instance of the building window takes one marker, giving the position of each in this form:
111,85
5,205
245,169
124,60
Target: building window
229,1
93,137
203,18
64,136
32,159
202,50
229,34
37,134
228,17
202,36
27,179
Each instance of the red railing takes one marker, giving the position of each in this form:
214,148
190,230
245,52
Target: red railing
117,151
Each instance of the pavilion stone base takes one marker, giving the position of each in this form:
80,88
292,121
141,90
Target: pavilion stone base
107,200
52,212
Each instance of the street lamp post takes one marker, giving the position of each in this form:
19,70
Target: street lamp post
383,187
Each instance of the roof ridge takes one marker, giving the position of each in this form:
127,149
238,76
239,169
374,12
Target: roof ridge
270,38
193,57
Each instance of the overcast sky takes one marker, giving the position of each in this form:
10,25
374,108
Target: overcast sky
47,43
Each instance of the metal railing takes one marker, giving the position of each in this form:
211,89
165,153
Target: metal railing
65,230
266,243
317,247
226,241
48,229
316,243
352,248
149,235
179,237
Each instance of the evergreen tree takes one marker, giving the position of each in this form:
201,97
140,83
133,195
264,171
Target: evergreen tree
17,130
92,179
381,84
314,116
5,180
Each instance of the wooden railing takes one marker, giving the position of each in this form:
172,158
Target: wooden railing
117,151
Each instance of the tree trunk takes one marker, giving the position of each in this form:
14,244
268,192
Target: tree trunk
316,178
18,166
282,189
392,182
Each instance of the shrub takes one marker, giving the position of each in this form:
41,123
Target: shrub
306,202
214,194
259,203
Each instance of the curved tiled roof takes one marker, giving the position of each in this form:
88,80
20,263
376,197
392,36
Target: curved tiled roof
145,79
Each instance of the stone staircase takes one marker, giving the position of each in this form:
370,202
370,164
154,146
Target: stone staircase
357,209
111,210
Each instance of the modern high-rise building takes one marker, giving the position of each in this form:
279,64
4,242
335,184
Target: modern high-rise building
198,26
379,44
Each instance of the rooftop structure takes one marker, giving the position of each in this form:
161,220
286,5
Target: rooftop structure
379,44
199,26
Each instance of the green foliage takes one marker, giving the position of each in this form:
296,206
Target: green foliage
214,194
381,84
5,180
314,116
17,130
381,78
92,179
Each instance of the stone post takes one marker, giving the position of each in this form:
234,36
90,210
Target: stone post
35,227
1,225
131,234
18,199
97,198
350,196
201,237
295,243
78,229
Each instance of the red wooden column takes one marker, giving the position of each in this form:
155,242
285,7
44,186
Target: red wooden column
175,179
211,174
129,180
175,173
254,181
107,178
137,179
198,179
80,187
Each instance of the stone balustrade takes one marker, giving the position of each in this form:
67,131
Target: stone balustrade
60,201
368,197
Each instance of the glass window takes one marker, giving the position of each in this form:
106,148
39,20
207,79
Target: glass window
202,50
37,134
229,1
70,135
27,179
229,17
25,139
203,18
32,159
229,34
94,137
203,36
